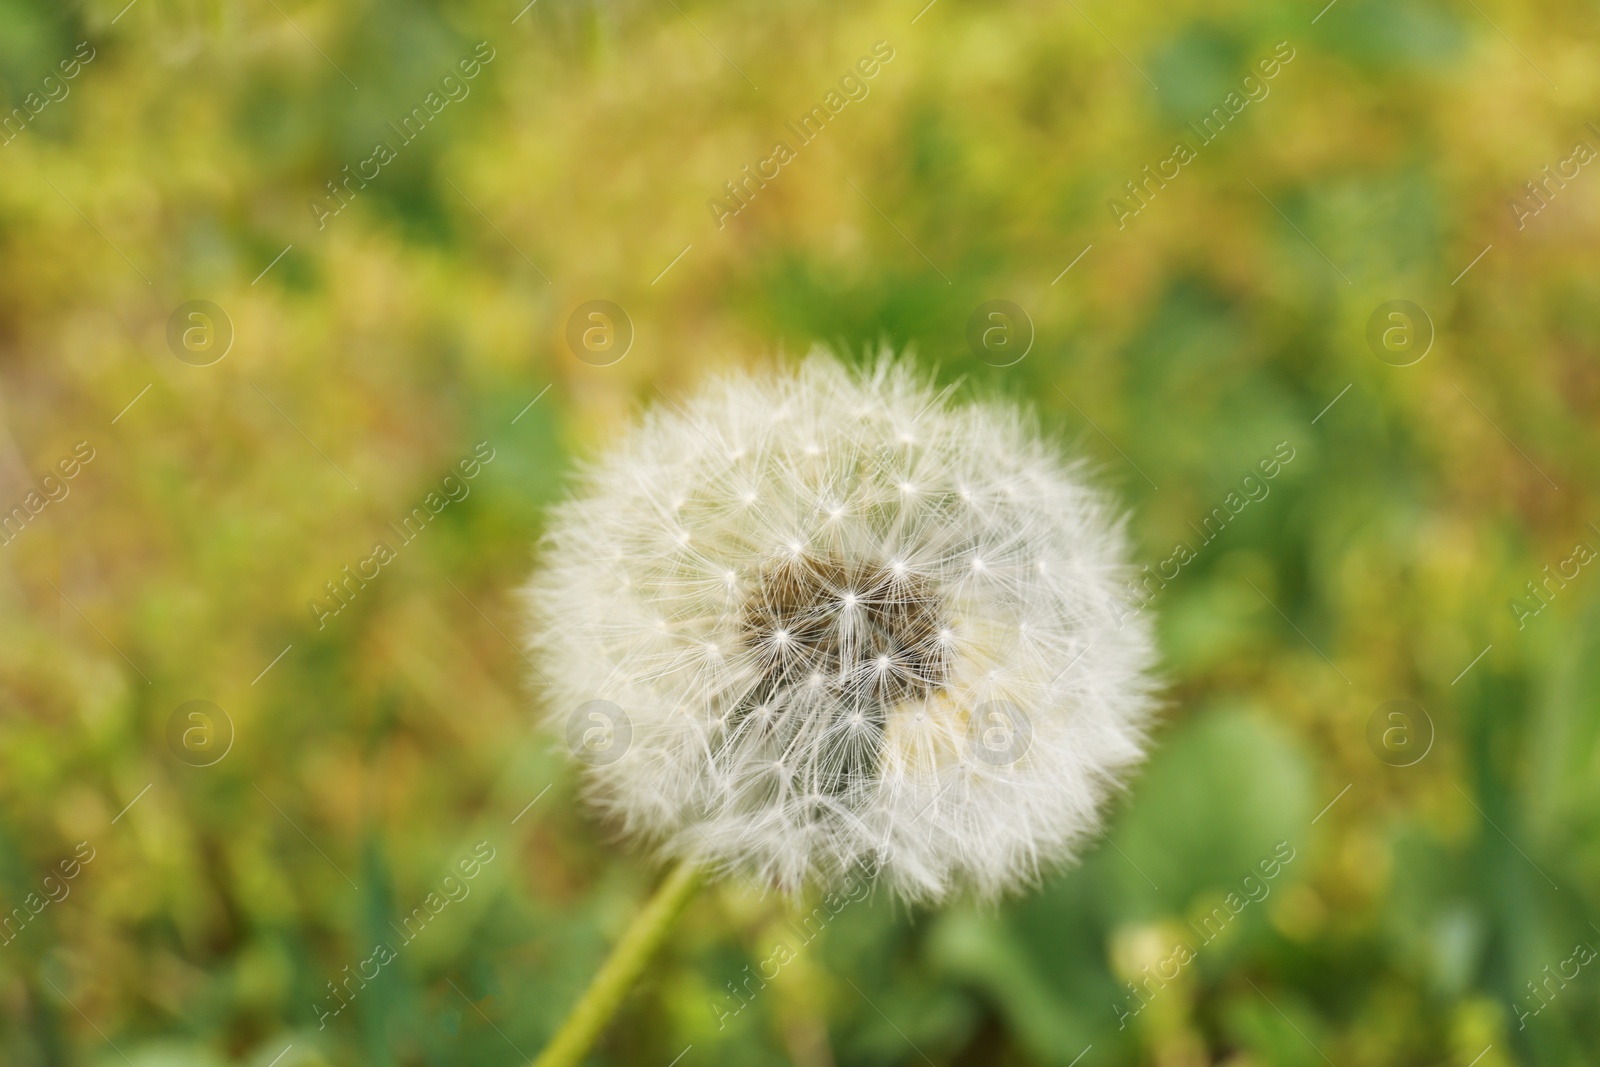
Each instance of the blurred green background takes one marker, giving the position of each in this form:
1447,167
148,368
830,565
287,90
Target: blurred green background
1432,913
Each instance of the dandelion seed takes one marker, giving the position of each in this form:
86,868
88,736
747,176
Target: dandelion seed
931,678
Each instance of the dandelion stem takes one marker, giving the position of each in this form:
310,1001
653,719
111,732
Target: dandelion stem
622,968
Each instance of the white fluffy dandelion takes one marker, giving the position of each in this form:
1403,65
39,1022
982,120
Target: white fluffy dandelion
846,622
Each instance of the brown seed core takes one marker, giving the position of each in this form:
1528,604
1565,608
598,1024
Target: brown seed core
838,644
869,634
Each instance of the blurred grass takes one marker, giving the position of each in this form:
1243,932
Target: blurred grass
424,318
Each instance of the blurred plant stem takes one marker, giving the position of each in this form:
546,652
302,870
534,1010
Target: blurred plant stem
621,969
799,985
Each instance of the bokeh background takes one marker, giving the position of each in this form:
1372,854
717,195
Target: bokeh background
183,890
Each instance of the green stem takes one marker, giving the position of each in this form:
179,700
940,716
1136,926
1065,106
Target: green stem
622,968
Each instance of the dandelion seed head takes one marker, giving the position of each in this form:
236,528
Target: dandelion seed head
876,628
